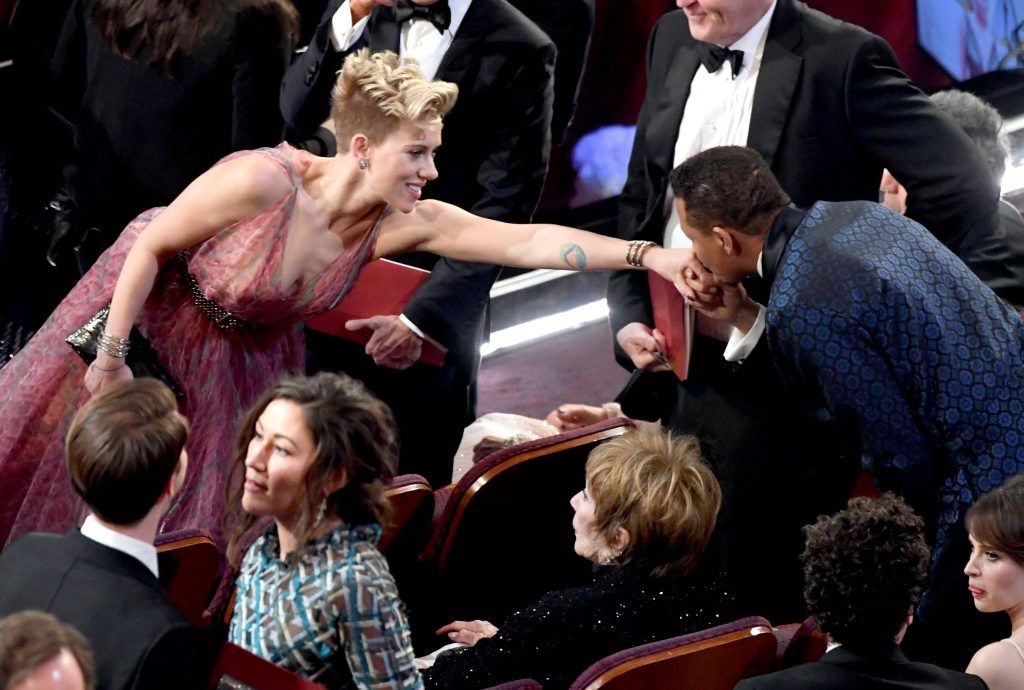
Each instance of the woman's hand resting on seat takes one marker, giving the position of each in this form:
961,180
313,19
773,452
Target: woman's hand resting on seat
468,632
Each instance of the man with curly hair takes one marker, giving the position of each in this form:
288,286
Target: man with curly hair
864,570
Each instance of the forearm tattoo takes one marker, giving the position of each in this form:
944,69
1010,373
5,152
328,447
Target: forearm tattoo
573,256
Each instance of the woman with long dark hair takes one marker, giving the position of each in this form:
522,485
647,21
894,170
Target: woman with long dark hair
313,457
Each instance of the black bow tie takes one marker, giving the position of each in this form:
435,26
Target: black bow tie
712,57
438,14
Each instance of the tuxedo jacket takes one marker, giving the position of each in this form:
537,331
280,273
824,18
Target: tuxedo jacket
138,638
492,162
568,23
831,108
844,668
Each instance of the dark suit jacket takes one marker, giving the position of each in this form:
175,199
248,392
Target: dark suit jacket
568,23
1011,232
492,162
139,639
843,668
830,109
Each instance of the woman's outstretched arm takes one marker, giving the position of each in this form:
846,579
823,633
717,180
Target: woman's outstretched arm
223,195
447,230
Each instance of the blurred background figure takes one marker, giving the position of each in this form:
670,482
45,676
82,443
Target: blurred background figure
984,125
995,574
568,23
38,652
864,570
154,92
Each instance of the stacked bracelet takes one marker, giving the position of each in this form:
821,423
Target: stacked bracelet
113,346
635,250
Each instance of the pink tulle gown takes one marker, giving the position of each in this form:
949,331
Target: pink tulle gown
222,372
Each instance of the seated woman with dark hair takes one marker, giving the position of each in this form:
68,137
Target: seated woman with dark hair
995,571
315,596
644,518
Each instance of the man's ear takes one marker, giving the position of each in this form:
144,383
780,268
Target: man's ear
177,478
725,240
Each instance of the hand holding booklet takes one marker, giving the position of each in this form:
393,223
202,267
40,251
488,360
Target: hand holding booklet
382,288
675,319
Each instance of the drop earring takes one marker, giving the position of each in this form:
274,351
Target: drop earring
363,164
321,513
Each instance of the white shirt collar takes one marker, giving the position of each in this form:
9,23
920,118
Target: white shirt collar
136,548
752,42
459,9
344,33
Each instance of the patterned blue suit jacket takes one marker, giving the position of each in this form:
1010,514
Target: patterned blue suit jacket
915,358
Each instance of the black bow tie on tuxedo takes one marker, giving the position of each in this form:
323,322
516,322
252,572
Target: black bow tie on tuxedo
712,57
438,14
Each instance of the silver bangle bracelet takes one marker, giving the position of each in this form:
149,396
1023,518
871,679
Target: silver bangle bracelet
113,346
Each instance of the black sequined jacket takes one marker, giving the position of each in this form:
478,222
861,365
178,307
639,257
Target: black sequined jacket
557,638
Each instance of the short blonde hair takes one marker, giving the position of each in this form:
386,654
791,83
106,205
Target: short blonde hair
377,93
658,488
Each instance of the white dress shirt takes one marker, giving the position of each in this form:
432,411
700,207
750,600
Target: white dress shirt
136,548
419,39
717,113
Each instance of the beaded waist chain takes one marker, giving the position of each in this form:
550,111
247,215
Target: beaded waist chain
224,319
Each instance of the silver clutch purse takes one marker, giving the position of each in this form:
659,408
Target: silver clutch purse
142,359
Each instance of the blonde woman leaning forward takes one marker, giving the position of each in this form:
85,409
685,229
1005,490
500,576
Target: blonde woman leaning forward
220,280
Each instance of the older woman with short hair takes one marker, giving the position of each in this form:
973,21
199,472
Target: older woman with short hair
644,518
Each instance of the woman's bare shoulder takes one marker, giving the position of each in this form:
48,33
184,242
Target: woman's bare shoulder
999,664
255,176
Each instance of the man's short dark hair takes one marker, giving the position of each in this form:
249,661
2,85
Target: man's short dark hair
122,448
864,568
728,186
31,638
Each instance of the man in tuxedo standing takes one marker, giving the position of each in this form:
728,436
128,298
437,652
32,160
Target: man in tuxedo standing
493,160
827,106
126,458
